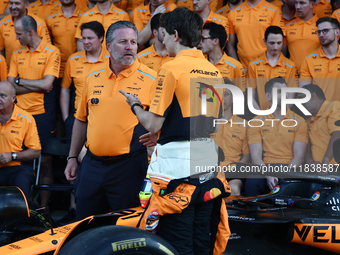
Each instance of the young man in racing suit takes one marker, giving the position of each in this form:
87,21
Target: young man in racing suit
191,212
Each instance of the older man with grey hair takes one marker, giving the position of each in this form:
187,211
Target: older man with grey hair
112,171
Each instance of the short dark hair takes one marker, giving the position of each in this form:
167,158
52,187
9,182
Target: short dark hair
268,88
95,26
334,22
273,30
155,21
28,23
316,89
216,31
188,25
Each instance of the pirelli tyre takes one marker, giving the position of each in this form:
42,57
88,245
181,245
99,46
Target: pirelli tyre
117,240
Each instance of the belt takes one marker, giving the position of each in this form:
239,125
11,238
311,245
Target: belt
106,160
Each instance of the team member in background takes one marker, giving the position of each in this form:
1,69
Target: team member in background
114,167
78,67
301,33
274,142
105,13
249,20
213,42
185,134
156,55
231,137
270,65
33,70
142,17
323,65
62,26
8,40
17,128
323,127
44,8
224,11
202,7
3,69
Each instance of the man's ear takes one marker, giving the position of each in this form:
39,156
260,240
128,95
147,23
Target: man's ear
176,36
268,96
155,33
216,41
108,46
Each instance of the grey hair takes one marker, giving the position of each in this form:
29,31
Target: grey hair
110,33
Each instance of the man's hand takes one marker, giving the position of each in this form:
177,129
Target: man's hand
130,98
272,181
159,9
148,139
5,157
71,169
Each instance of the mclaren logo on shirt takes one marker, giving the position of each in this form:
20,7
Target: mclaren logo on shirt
94,100
204,72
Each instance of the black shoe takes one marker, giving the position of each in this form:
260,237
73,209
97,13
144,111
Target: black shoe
68,218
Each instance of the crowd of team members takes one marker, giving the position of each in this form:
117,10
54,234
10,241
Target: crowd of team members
263,40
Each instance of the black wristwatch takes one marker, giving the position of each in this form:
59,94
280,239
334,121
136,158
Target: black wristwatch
14,156
17,81
135,104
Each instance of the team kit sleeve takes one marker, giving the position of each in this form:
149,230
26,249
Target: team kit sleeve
254,135
3,69
301,134
53,65
32,138
304,70
165,89
13,68
81,113
333,119
67,79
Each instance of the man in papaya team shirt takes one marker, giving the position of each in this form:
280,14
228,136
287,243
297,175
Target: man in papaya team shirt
213,42
270,65
249,20
323,129
113,170
62,26
17,128
105,13
280,142
44,8
143,14
33,70
8,40
184,138
202,7
156,55
78,67
224,11
323,65
301,33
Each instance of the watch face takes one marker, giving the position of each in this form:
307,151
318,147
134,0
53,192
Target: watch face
14,156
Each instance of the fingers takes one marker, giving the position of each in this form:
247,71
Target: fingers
123,93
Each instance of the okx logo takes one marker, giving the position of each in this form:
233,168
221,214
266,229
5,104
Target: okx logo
206,89
94,100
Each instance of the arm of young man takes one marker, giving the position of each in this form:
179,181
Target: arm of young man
150,121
